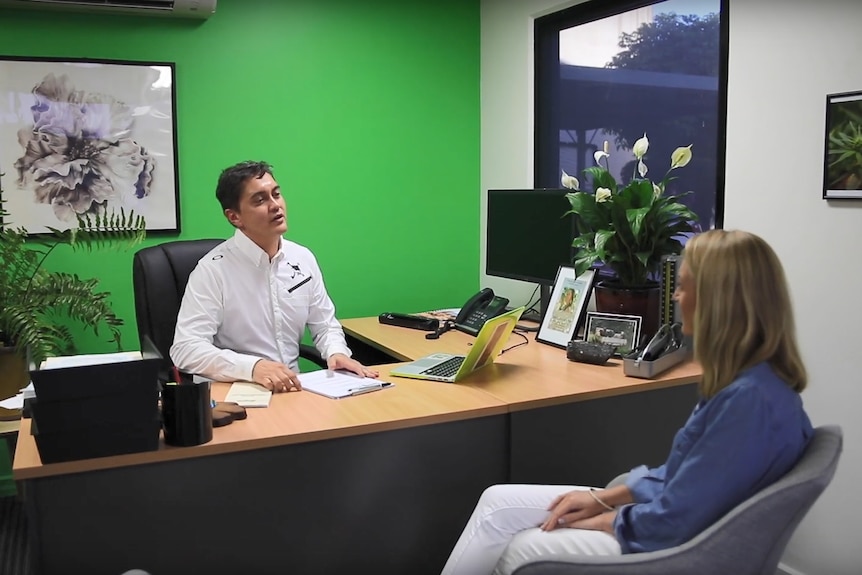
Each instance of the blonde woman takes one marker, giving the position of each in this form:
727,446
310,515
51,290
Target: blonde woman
748,429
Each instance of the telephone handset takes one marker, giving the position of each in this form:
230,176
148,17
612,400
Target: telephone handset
479,309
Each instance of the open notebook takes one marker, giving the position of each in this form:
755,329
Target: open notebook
451,368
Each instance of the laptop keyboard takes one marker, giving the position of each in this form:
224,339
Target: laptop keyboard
446,369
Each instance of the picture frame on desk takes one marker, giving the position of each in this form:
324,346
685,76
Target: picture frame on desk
620,330
568,302
89,138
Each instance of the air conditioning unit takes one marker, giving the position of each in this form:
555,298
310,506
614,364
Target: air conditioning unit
173,8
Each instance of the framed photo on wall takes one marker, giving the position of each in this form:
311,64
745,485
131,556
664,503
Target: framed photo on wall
618,330
842,165
88,138
568,301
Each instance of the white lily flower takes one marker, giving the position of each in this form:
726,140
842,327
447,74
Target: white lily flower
606,147
641,146
656,190
599,155
680,157
603,195
642,169
570,182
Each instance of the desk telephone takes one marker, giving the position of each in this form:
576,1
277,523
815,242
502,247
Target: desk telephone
479,309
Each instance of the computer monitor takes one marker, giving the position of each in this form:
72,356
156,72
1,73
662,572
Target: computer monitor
528,237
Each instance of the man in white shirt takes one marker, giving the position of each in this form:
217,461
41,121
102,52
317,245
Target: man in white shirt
248,301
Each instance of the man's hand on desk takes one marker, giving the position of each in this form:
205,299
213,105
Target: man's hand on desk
341,361
275,376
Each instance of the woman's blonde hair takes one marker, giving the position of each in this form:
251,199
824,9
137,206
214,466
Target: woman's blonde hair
743,314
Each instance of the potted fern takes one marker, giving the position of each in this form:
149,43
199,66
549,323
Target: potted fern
32,298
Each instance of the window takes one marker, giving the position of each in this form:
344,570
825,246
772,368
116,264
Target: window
616,70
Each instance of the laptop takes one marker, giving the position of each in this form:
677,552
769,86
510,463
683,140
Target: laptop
451,368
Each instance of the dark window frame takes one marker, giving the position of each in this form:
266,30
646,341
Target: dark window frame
546,148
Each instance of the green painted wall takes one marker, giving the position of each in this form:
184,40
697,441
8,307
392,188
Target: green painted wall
368,110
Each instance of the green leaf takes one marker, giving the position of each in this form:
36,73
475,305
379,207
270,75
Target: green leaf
602,178
636,220
585,262
585,206
642,193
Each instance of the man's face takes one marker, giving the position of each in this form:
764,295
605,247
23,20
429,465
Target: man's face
262,214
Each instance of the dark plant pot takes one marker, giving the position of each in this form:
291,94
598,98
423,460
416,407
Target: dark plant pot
13,378
644,301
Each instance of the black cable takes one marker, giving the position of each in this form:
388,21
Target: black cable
443,328
530,305
525,342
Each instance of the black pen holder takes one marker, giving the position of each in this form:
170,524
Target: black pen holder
187,415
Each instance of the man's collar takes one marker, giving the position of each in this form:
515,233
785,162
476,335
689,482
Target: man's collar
253,251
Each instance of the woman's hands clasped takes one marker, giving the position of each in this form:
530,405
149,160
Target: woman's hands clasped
570,507
579,510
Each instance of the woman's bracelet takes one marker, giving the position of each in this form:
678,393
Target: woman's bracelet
599,501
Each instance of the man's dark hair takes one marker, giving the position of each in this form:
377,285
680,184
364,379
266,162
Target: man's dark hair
232,180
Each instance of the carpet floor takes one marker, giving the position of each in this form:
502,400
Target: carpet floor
14,554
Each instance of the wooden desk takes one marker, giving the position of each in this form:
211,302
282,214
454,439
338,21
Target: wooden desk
552,378
569,422
377,483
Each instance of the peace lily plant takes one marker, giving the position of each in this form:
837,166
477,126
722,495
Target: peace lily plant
629,226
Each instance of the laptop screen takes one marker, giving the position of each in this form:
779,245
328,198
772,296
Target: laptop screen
491,339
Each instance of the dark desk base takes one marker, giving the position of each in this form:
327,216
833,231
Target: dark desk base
591,442
587,442
390,502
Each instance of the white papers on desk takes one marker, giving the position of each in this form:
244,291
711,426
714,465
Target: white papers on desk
90,359
14,402
338,384
17,401
248,394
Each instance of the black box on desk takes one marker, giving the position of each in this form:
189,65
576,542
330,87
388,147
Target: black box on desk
115,409
95,441
96,410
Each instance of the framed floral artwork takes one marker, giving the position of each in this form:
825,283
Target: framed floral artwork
568,301
88,137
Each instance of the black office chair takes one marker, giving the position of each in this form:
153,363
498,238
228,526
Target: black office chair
159,276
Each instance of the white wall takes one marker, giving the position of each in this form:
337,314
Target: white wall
784,59
507,111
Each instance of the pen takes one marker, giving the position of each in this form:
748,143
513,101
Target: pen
367,388
300,284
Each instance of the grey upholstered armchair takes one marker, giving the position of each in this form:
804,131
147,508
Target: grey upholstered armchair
159,275
749,540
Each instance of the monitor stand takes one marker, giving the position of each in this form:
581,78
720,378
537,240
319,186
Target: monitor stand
544,297
544,302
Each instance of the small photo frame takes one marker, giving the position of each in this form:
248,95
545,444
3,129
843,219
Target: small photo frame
842,167
619,330
568,301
